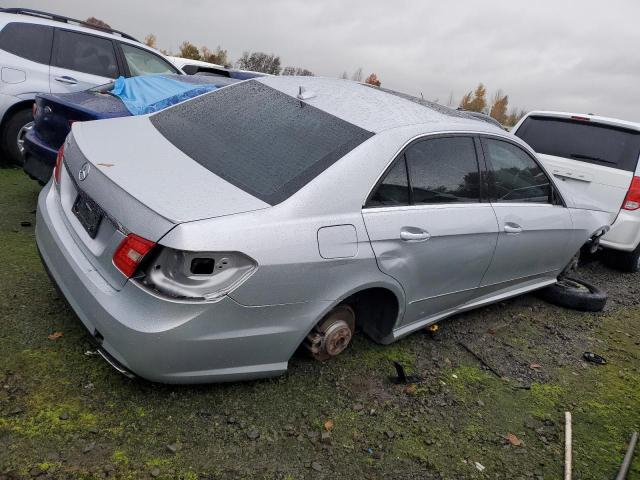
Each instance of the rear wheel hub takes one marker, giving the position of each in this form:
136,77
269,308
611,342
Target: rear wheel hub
333,334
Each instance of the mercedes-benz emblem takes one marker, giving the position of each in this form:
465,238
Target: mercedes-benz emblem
84,171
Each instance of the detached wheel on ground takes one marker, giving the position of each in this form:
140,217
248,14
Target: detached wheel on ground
13,133
332,334
624,261
575,294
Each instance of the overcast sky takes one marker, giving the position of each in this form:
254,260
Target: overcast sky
575,55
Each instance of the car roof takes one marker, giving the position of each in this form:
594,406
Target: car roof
8,17
615,122
375,109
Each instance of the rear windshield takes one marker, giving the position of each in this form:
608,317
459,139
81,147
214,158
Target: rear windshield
261,140
583,141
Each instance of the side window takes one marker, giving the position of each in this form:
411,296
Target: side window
29,41
142,62
394,188
85,53
515,176
443,170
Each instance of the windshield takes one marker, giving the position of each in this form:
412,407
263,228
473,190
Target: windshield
259,139
583,141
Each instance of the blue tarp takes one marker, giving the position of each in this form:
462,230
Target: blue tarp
151,93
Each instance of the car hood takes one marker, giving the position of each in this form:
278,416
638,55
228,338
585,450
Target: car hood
139,162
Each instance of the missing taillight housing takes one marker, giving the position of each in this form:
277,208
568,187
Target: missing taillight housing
130,253
58,168
197,276
202,266
632,200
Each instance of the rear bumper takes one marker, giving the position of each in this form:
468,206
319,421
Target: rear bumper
625,232
165,340
39,158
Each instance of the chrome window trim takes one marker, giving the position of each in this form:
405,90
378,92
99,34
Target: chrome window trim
424,206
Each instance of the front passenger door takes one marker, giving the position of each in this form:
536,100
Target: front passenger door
430,228
535,226
81,61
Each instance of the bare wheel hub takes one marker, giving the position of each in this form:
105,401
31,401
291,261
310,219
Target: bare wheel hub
333,334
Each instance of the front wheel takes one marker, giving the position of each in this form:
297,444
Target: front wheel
13,135
575,294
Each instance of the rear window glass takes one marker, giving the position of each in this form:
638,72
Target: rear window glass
29,41
583,141
259,139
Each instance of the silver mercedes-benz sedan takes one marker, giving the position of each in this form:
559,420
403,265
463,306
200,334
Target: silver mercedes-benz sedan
209,241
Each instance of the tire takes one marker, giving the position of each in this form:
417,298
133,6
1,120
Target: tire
575,294
624,261
15,126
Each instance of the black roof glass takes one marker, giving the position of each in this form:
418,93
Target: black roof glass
259,139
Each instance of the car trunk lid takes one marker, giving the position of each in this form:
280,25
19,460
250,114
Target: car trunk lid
56,113
122,177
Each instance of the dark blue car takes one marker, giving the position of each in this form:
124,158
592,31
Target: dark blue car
55,113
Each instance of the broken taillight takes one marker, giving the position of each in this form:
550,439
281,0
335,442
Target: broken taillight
632,200
58,167
130,253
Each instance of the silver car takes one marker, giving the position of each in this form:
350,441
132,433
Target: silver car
209,241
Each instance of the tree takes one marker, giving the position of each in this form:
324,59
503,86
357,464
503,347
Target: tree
219,56
260,62
189,50
499,107
97,22
514,116
301,72
475,101
344,75
373,80
357,75
150,41
465,103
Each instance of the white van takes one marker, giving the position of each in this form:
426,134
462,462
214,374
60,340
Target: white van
596,158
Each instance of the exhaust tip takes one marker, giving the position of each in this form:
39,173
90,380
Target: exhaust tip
115,364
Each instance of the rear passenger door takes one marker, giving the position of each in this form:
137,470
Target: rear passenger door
430,227
24,61
81,61
535,226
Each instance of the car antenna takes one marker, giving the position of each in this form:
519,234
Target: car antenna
304,94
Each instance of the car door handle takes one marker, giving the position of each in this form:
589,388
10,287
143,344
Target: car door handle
512,228
67,80
411,234
562,174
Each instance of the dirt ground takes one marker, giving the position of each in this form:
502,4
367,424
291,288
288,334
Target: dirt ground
494,384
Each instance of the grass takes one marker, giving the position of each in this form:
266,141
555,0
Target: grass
55,402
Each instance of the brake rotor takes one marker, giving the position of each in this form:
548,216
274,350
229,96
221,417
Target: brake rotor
332,334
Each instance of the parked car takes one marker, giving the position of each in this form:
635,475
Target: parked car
47,53
198,67
596,160
207,242
55,113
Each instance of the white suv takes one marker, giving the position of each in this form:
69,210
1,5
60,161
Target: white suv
597,160
47,53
